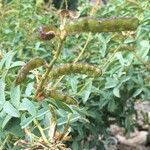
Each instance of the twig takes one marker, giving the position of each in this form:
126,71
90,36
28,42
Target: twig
41,130
109,60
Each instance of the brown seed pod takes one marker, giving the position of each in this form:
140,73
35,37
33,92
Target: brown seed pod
32,64
46,33
56,95
80,68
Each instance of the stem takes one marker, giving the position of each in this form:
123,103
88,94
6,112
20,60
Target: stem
53,125
41,130
66,128
83,49
139,58
50,66
105,65
95,8
113,54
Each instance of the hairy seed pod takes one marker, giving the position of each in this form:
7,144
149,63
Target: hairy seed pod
80,68
98,25
56,95
32,64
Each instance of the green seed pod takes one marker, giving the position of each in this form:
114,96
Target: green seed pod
80,68
98,25
32,64
56,95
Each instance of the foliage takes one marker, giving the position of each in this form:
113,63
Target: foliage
108,99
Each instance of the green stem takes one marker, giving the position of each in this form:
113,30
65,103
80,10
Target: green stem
41,130
83,49
139,58
106,64
53,124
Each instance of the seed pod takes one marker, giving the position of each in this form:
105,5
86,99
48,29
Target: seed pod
32,64
46,33
80,68
62,97
98,25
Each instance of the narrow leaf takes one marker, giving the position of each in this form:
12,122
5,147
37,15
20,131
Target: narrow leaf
63,106
26,121
116,92
2,91
10,109
9,60
29,106
15,96
29,89
6,120
42,112
5,58
17,63
64,120
86,91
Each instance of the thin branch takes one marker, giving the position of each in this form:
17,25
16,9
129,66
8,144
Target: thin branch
41,130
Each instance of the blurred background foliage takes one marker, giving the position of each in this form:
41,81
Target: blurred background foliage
104,101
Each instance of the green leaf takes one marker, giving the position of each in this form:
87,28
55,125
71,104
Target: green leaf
75,145
137,92
9,60
6,120
13,127
10,109
112,106
29,89
111,82
63,106
17,63
15,96
42,112
86,91
29,106
6,56
116,91
144,49
120,58
73,82
2,91
26,121
64,120
103,103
